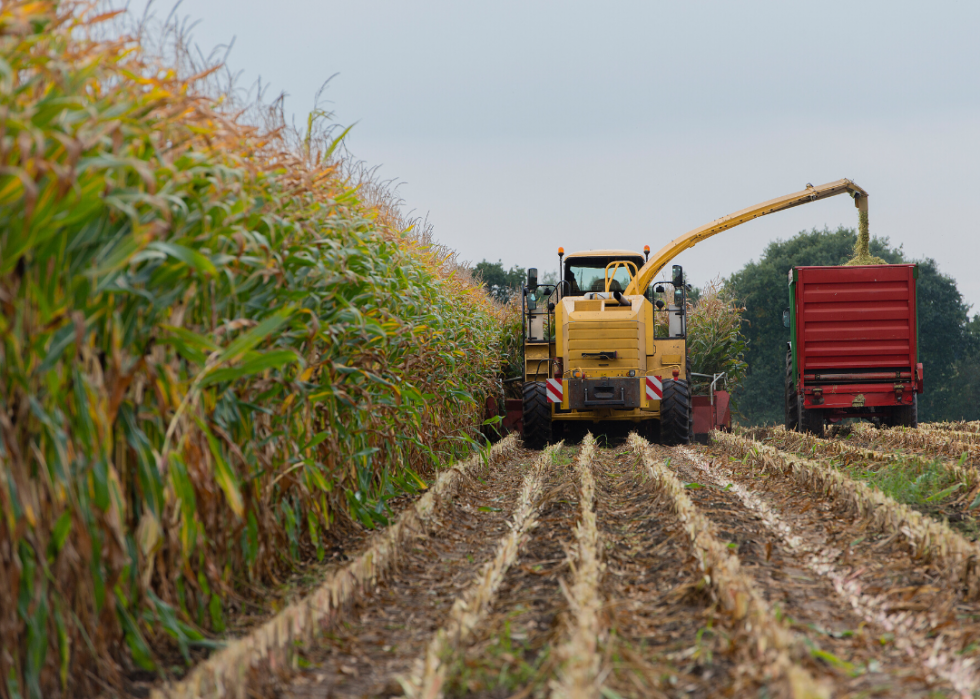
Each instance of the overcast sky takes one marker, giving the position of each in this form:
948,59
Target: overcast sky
521,126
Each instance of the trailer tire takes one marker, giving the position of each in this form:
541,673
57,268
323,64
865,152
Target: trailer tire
811,421
537,415
675,413
792,397
906,415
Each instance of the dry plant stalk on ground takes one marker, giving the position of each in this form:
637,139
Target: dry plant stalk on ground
930,540
578,655
735,591
914,631
924,439
972,426
961,435
800,442
226,673
471,607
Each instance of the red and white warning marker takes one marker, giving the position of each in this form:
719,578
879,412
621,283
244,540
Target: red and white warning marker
555,390
655,389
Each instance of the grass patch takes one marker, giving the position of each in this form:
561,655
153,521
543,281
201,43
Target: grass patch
926,485
502,667
912,481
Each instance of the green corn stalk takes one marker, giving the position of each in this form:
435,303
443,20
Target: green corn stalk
210,350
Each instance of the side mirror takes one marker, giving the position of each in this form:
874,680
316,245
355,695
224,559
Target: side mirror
786,318
532,278
678,296
677,274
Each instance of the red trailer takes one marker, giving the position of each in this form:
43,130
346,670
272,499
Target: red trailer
854,349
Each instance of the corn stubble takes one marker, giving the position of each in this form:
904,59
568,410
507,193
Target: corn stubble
577,675
472,606
931,540
772,643
211,351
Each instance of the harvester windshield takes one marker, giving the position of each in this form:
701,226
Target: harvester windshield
586,274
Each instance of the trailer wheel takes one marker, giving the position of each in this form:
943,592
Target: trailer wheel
906,415
811,421
537,415
675,412
792,397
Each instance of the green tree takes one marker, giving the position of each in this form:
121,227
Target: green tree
501,284
944,338
964,394
944,344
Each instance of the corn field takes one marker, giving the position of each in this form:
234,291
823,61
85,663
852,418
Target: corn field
212,352
715,342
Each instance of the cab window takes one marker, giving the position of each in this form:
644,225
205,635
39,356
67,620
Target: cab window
590,275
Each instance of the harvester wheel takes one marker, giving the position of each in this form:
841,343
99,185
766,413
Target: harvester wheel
792,397
537,415
675,412
906,415
649,430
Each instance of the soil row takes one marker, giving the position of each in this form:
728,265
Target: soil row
886,609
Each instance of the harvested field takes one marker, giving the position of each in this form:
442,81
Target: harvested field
738,569
925,470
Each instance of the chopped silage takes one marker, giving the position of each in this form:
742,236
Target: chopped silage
862,252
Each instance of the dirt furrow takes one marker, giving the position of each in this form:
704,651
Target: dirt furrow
941,487
930,540
762,633
243,662
879,622
512,652
367,650
666,637
578,654
470,608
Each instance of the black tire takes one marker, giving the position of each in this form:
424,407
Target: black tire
811,421
792,397
649,430
537,415
675,413
906,415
